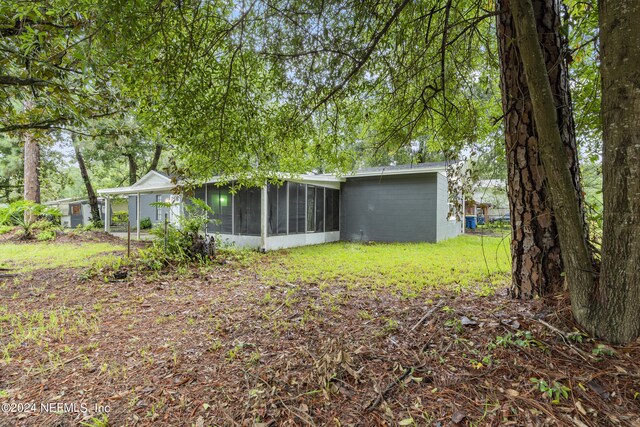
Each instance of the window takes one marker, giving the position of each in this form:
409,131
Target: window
296,208
158,208
220,200
311,208
277,215
320,209
76,209
332,209
247,211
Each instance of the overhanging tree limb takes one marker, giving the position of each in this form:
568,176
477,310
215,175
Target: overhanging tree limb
53,123
19,81
374,42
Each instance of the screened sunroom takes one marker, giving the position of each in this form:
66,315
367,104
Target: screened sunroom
299,212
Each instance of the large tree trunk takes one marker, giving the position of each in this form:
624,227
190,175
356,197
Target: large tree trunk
617,318
156,158
535,247
31,167
576,255
133,168
91,194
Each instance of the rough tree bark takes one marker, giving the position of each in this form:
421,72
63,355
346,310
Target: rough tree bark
156,158
91,194
535,247
617,318
576,255
133,168
31,167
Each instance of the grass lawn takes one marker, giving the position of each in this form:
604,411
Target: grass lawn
28,257
464,263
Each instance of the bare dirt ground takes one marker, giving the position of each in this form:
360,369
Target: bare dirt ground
218,346
70,236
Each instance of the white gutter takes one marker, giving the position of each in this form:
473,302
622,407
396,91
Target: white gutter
383,172
136,190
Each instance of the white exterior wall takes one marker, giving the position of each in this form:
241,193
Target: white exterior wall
240,241
293,240
281,242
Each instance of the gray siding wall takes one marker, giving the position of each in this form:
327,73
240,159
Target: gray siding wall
390,208
446,229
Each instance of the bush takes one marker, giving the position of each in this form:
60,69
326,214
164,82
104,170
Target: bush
120,217
46,235
145,223
26,214
90,226
4,229
184,243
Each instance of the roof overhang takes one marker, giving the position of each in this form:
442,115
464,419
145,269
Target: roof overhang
324,180
153,182
408,171
156,189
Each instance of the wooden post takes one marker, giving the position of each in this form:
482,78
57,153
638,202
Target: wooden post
165,232
138,216
107,214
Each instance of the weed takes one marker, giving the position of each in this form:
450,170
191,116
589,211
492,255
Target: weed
364,315
555,392
101,421
602,350
577,336
520,339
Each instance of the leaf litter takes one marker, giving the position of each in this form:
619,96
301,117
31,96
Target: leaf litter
217,346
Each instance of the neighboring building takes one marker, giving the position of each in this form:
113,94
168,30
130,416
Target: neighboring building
489,200
390,204
75,212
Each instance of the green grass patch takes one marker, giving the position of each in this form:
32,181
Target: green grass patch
33,256
466,263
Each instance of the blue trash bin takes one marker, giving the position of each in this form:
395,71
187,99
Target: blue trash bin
470,222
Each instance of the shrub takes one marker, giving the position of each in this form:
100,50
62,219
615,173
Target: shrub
120,217
184,243
26,214
4,229
46,235
145,223
90,226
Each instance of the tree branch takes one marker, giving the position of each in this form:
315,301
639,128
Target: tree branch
364,59
19,81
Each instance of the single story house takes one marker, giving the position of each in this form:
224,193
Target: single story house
153,187
407,203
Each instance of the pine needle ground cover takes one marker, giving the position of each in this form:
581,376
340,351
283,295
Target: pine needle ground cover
339,334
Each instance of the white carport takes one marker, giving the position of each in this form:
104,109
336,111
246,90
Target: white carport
152,183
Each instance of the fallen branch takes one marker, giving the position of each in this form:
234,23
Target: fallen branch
378,400
584,355
427,315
